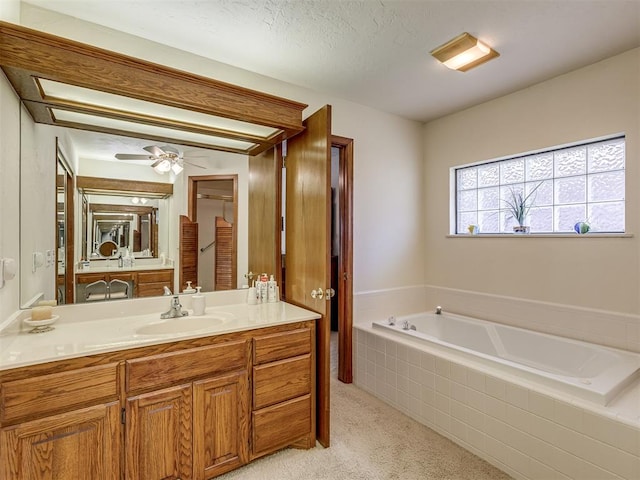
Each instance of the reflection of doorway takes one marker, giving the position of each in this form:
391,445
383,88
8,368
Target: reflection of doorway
213,205
342,251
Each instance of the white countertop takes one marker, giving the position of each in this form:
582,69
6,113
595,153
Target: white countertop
115,269
105,327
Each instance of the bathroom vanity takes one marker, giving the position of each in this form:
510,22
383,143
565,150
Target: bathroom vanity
147,405
144,281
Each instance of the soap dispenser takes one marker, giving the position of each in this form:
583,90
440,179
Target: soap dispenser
198,302
189,289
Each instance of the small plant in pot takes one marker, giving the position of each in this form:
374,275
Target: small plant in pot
518,207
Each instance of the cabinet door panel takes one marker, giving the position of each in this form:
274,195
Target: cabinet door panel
221,425
158,435
79,445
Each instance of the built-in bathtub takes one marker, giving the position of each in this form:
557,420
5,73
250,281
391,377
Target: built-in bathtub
591,372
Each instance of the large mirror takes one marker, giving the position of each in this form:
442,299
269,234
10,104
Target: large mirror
122,225
62,84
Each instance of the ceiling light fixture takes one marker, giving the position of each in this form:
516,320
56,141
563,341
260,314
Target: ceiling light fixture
464,52
162,166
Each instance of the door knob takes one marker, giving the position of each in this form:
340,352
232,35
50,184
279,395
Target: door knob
329,293
319,293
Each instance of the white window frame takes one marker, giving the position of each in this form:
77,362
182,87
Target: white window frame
454,188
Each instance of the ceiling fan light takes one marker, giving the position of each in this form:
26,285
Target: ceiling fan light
176,168
163,167
464,52
143,200
135,200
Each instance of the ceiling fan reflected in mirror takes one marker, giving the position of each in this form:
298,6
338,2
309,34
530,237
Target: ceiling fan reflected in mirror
165,159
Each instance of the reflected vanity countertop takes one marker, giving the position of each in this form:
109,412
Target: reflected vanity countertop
74,337
115,268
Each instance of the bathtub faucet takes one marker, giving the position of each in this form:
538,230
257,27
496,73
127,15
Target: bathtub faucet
438,310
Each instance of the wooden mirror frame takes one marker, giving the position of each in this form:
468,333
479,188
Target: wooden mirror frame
27,55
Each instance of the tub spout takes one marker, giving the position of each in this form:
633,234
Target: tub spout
438,310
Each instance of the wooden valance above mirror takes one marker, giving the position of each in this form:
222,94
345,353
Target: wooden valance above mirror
68,83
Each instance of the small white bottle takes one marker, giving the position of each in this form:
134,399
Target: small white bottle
271,290
252,295
198,302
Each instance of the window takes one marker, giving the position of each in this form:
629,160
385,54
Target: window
579,183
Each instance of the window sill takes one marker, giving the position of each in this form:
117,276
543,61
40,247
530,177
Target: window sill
542,235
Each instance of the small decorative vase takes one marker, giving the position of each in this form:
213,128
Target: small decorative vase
582,228
521,229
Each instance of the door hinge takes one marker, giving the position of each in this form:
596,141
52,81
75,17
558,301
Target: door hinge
284,162
123,416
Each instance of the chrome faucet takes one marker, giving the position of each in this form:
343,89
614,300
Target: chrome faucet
176,309
438,310
167,291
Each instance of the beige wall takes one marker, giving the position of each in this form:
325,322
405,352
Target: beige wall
601,273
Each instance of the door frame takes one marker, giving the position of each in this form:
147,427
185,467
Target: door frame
192,210
345,262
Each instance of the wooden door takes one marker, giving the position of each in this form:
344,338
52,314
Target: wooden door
73,446
308,245
265,212
158,435
220,425
188,253
225,271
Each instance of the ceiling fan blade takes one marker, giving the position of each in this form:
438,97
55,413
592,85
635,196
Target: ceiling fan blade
170,149
126,156
154,150
157,162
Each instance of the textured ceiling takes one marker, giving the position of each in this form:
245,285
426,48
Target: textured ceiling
377,52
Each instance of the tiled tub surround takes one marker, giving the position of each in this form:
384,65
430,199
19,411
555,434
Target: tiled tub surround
527,429
589,371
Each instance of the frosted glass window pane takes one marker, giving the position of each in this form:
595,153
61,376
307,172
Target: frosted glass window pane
489,175
606,186
539,167
571,161
564,184
507,193
489,222
571,190
467,178
606,217
543,194
512,171
541,220
465,219
566,216
488,198
605,156
467,200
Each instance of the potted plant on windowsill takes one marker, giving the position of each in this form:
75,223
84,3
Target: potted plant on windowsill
518,207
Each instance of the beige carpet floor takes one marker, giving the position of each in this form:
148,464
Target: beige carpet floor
371,441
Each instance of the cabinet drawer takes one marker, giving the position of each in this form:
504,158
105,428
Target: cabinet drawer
281,425
269,348
125,277
155,276
90,277
168,368
46,394
152,289
279,381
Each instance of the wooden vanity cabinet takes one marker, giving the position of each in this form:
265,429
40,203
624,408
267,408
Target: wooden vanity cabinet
198,429
283,403
191,409
151,283
146,283
61,425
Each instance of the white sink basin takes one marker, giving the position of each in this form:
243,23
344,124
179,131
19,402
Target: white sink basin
183,324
